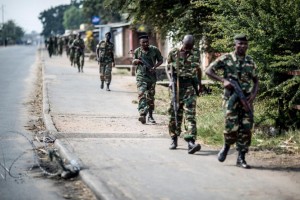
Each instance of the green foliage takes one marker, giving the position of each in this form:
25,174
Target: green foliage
174,18
11,31
98,8
273,29
73,17
52,20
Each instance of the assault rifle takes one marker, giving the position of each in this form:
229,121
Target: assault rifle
174,97
242,97
146,64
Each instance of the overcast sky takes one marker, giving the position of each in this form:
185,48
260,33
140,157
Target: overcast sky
25,13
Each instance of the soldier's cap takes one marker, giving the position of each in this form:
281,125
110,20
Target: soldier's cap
108,33
143,37
240,37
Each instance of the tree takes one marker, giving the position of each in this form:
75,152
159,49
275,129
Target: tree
12,32
173,18
52,20
98,8
73,18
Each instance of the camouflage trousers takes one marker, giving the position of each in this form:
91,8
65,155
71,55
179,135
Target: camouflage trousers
105,72
79,60
187,110
238,124
146,93
72,55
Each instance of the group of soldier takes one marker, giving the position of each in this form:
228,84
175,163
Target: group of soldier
72,44
184,74
185,77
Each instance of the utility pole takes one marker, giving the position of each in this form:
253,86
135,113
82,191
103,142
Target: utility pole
3,35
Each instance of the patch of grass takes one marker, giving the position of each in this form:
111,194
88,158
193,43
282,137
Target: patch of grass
210,124
210,119
121,72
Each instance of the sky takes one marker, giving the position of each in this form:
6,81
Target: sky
25,13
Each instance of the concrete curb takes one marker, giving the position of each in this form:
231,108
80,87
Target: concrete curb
100,190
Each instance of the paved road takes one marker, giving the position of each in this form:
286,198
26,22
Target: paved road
16,81
124,159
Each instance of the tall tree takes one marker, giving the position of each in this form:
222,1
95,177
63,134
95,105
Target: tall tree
173,18
12,32
73,18
52,20
98,8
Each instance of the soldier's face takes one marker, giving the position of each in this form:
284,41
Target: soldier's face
241,47
144,43
108,36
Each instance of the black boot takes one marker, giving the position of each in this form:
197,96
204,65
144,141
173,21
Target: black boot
223,153
107,87
150,118
174,142
142,119
241,162
102,85
192,147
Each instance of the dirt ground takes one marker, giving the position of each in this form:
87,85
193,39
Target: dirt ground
72,188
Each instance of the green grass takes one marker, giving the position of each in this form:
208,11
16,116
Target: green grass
210,124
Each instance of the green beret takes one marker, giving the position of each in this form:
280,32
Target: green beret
241,37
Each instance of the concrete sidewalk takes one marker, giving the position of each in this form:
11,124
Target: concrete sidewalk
123,159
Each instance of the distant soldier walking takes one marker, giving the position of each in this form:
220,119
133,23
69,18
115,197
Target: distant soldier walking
105,57
241,86
184,63
79,46
71,49
146,58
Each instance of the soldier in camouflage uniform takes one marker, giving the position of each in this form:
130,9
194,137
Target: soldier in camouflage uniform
105,57
71,49
184,63
238,123
146,77
78,45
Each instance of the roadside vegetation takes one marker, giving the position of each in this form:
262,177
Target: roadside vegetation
210,124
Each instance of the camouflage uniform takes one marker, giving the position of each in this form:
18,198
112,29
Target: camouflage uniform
238,123
187,94
71,49
78,46
146,80
106,59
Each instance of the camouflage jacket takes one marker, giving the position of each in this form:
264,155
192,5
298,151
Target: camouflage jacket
105,51
78,45
188,66
241,69
152,56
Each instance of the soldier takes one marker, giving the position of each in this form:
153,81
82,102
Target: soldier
238,121
184,63
50,46
78,45
105,57
60,45
146,58
71,49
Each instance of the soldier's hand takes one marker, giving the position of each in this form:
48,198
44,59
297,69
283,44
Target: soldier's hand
227,84
200,88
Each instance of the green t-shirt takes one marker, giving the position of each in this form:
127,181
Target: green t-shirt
152,56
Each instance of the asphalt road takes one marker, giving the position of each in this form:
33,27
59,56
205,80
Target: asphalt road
17,71
124,159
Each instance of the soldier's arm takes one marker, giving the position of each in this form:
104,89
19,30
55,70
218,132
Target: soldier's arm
211,73
136,60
